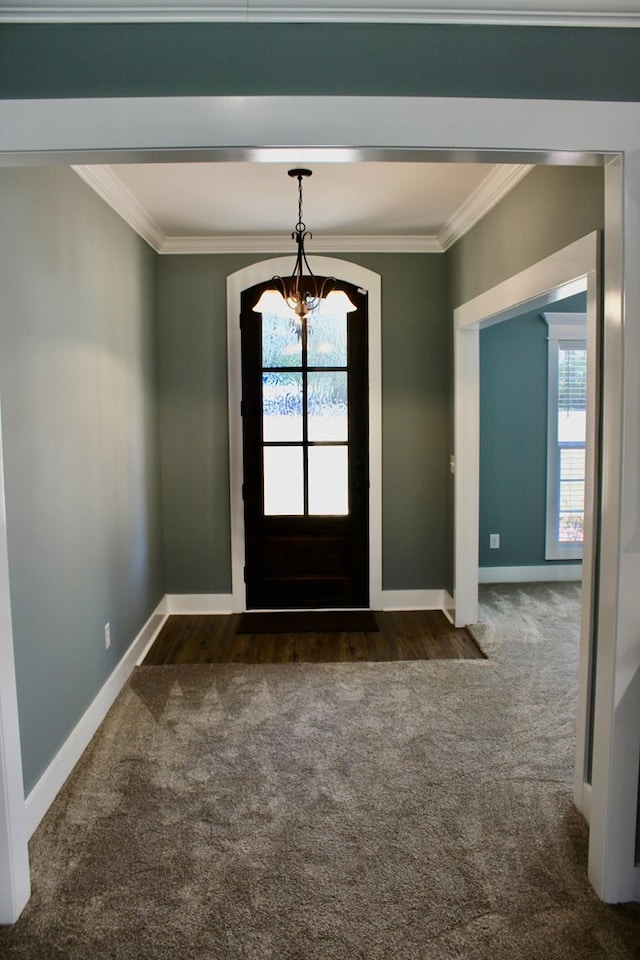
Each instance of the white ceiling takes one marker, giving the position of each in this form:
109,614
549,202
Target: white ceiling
237,206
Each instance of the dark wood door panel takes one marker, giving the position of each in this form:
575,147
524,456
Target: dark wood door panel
303,593
309,555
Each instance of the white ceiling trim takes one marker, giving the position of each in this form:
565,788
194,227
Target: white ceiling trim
492,189
324,244
620,13
112,190
106,183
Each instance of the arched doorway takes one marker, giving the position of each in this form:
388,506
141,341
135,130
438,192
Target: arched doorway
365,280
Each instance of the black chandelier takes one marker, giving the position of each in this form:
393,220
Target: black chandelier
302,293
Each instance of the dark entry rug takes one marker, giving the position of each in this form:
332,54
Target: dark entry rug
305,621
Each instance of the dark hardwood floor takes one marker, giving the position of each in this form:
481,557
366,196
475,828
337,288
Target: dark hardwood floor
403,635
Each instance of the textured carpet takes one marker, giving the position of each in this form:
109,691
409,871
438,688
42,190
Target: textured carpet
414,811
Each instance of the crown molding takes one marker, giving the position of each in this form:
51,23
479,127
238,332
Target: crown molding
324,244
496,185
566,326
104,181
112,190
564,319
620,13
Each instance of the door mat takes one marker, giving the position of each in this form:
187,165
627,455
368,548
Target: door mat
314,621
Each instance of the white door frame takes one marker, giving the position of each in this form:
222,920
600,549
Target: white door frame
236,283
556,276
537,131
15,884
563,273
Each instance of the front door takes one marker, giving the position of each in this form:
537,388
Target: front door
305,455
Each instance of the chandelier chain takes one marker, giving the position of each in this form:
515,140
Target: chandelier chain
301,226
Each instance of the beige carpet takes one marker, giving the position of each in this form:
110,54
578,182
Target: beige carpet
414,811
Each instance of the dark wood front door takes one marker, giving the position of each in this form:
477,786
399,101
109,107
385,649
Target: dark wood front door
305,454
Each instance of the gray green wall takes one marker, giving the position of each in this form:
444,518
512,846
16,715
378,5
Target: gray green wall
416,392
549,209
513,437
80,434
356,59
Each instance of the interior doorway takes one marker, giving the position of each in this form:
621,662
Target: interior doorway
79,126
563,274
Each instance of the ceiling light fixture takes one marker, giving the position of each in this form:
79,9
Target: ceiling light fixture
302,293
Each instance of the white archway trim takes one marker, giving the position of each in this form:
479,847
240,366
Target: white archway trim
236,283
499,130
14,881
588,13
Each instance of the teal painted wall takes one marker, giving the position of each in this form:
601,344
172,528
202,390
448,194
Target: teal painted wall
80,436
513,437
416,400
374,59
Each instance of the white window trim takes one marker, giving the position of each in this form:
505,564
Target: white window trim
562,326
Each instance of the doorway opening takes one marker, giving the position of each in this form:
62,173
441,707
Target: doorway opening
532,436
563,274
488,125
366,477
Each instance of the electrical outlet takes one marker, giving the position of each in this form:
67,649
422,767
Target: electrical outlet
494,541
107,636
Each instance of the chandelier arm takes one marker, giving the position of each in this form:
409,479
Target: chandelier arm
304,254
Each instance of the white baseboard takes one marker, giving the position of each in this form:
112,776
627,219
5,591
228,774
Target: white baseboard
199,603
222,603
582,799
449,606
416,600
539,574
46,789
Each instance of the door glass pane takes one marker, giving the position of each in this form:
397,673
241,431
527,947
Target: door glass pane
283,481
328,481
327,339
327,406
281,344
281,406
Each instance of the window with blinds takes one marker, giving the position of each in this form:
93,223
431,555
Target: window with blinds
571,413
566,435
